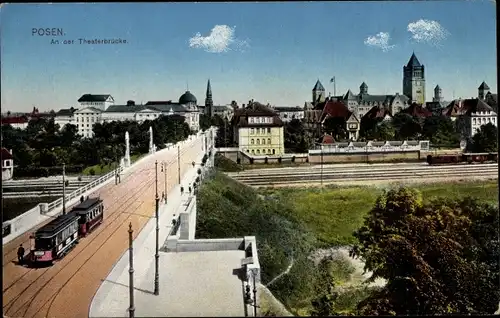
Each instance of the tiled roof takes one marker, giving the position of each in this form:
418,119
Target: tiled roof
66,112
318,87
14,120
483,86
93,98
417,111
328,139
466,107
336,109
158,102
125,108
241,115
288,108
350,96
377,112
97,110
6,154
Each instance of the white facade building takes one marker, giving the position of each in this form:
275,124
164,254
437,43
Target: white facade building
85,119
470,114
99,101
288,113
65,116
7,164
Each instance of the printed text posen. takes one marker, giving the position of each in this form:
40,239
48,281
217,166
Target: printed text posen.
47,32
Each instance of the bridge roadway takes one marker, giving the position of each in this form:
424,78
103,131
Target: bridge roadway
363,174
66,289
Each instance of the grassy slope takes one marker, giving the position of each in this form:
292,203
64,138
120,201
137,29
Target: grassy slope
334,213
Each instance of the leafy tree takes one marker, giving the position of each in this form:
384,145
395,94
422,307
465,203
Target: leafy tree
296,139
439,129
384,131
485,140
440,257
205,122
225,132
336,126
324,303
406,126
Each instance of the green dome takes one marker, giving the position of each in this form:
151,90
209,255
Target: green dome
186,98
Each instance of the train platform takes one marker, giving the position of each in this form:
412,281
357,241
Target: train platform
193,284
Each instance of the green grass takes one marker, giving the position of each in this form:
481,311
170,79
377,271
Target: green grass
103,169
334,213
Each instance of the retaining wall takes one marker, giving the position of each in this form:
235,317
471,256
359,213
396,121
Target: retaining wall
364,157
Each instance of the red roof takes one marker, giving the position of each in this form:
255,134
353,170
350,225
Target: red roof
328,139
6,154
14,120
336,109
417,110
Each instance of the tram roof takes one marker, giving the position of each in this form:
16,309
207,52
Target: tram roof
87,204
56,225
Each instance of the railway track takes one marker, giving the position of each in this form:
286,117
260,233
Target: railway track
66,288
331,174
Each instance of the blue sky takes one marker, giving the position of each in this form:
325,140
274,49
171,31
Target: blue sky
278,51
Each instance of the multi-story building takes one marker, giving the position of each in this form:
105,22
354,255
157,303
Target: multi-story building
259,131
98,101
438,104
414,80
85,119
65,116
288,113
7,164
20,122
469,115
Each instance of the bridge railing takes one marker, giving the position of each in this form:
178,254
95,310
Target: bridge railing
80,191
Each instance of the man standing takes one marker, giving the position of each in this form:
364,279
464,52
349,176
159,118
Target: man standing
20,254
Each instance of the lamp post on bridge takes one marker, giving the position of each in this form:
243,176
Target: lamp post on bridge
157,256
64,188
131,309
164,169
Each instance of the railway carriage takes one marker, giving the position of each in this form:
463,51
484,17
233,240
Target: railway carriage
55,239
463,158
91,213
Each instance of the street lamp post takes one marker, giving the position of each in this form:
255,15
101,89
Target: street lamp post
164,169
64,189
131,309
157,256
179,162
254,294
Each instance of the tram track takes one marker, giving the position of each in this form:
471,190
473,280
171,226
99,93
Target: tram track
121,218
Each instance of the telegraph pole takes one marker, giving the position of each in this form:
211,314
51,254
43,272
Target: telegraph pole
165,170
64,189
131,309
179,162
254,294
157,256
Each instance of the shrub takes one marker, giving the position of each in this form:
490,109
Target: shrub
266,160
293,159
279,160
92,172
199,171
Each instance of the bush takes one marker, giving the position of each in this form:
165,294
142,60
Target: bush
279,160
293,159
92,172
266,160
199,171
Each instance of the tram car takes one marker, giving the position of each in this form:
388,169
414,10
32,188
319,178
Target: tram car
55,239
462,158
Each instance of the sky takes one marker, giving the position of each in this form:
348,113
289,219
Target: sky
271,52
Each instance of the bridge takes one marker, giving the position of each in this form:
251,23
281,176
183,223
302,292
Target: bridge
94,274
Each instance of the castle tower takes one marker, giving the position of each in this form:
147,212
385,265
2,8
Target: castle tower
363,89
414,81
438,94
209,103
482,90
318,93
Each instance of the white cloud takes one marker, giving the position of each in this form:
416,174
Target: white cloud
380,40
427,31
221,39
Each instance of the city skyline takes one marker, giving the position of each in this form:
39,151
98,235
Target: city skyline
171,46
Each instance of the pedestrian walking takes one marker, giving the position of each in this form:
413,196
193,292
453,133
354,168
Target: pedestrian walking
189,188
174,221
20,254
81,199
182,190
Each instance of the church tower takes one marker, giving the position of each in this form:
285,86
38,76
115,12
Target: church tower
318,93
482,90
414,81
438,94
209,103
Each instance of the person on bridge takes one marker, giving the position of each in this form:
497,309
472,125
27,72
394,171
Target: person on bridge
81,199
182,190
174,221
189,188
20,254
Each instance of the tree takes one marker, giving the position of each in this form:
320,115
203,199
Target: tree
205,122
336,126
384,131
438,257
324,303
440,130
295,137
485,140
406,126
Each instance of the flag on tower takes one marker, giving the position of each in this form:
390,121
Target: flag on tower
332,80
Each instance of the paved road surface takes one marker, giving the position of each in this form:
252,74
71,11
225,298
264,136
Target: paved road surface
66,289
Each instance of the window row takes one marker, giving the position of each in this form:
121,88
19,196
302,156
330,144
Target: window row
262,151
252,141
261,120
95,212
254,131
477,121
64,234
